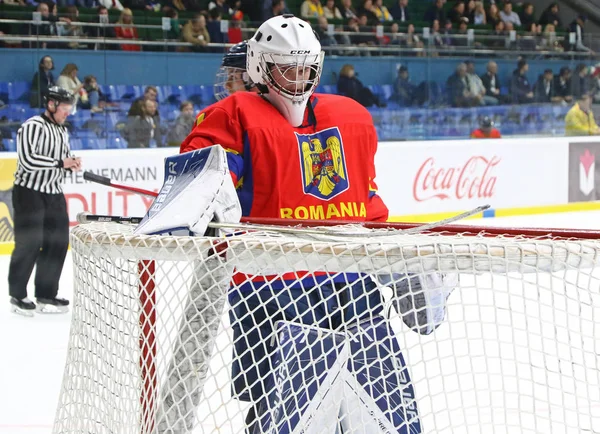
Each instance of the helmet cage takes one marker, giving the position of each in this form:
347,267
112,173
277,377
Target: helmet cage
293,76
230,80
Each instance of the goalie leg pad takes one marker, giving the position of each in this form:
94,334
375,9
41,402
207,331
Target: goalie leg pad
328,381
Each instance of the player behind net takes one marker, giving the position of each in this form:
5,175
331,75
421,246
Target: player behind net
232,75
294,154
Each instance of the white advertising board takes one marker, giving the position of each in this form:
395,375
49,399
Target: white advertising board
413,177
444,176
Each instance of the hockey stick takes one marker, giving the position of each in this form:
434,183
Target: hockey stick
88,218
99,179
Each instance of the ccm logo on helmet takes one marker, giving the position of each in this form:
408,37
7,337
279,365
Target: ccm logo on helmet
300,52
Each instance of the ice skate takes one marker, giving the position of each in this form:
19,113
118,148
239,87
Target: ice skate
23,306
52,305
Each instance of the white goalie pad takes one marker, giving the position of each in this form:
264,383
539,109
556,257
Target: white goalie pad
197,189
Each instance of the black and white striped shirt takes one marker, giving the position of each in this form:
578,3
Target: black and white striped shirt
41,146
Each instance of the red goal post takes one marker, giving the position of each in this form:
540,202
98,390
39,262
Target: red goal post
524,278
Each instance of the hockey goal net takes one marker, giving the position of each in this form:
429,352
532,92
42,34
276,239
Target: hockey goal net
370,331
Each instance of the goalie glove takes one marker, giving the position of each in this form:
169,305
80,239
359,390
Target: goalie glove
197,190
421,299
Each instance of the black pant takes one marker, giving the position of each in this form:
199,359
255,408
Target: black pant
41,239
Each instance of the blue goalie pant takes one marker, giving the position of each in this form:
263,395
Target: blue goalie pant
331,382
318,301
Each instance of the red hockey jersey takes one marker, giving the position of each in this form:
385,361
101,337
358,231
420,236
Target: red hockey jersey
321,170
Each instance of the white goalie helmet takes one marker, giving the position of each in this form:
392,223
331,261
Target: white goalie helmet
285,61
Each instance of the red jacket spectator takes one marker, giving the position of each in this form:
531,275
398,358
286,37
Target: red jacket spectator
127,32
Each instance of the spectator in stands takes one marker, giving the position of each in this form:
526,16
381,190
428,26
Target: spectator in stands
46,28
527,42
173,16
458,89
404,90
102,31
400,11
139,129
382,13
491,82
562,85
194,32
457,13
111,4
152,111
493,16
435,12
577,27
550,16
96,99
548,41
151,93
497,39
447,33
436,36
476,87
527,16
363,35
470,11
222,6
581,82
311,9
183,124
486,130
321,29
73,30
213,26
42,80
461,36
580,118
367,9
331,12
543,89
277,8
69,81
412,40
347,10
349,85
520,89
127,30
508,15
479,16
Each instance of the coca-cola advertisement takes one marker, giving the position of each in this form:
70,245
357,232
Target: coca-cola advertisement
431,180
475,178
584,173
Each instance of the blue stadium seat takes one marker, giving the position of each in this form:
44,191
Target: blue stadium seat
93,143
10,145
4,92
164,92
115,142
330,88
207,95
387,90
75,144
125,92
111,91
18,91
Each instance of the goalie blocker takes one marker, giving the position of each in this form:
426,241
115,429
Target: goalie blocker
198,190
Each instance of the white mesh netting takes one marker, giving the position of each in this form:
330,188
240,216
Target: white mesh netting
425,333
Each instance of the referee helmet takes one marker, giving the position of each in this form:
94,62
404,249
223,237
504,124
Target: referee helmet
58,95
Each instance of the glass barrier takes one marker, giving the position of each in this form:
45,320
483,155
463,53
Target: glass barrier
418,83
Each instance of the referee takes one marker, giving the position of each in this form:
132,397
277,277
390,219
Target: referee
40,210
